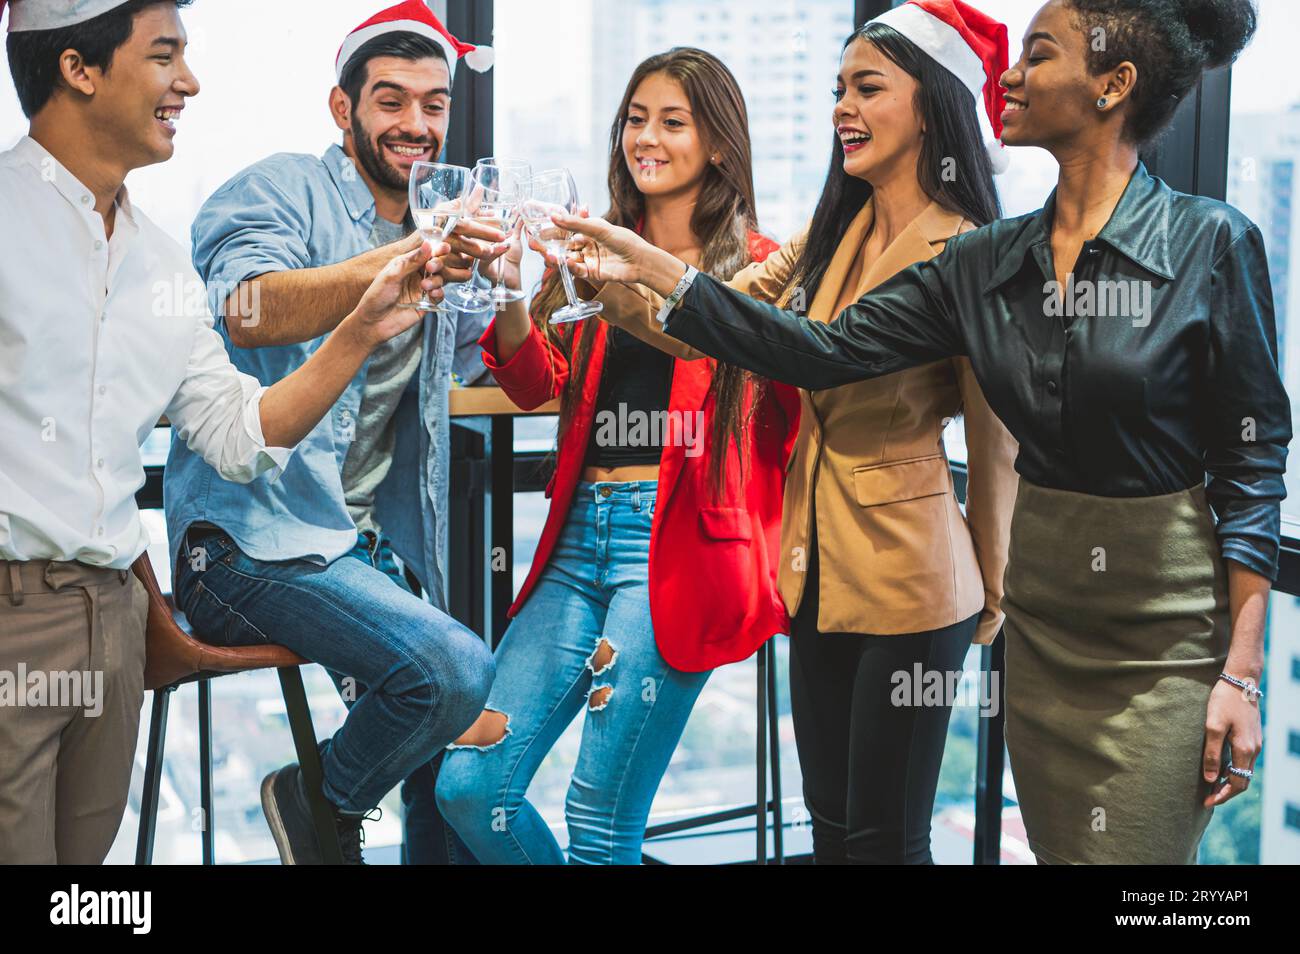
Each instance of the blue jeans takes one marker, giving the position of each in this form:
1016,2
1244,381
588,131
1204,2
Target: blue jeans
582,642
427,839
414,678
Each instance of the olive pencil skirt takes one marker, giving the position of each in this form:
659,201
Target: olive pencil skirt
1117,628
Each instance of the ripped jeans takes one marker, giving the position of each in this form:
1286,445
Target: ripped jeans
582,643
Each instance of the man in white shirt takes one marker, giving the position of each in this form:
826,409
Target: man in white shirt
99,336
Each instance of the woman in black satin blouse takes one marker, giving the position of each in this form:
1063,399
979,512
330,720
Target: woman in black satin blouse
1125,336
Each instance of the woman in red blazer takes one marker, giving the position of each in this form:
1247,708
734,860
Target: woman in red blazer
656,563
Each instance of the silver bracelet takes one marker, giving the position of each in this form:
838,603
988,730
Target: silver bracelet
677,294
1252,691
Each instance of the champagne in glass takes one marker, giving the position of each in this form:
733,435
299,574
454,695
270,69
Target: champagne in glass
437,203
499,185
553,193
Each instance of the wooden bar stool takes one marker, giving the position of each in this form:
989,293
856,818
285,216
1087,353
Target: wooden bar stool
172,658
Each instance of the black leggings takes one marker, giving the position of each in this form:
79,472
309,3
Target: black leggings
870,768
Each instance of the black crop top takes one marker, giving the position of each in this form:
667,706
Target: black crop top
631,405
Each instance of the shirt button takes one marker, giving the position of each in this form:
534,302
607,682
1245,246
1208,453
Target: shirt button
85,200
98,245
100,532
103,389
1051,387
100,463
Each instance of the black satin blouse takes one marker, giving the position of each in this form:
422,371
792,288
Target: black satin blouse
1154,372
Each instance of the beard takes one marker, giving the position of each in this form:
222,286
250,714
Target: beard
370,155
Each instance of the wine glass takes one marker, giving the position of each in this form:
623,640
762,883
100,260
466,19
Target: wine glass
497,188
553,193
437,204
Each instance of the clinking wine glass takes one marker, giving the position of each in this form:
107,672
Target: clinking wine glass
554,193
497,188
437,204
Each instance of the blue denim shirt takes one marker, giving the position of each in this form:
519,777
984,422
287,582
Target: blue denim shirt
297,211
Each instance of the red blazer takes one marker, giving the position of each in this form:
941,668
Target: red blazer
713,593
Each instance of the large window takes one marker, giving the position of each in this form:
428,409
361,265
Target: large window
1263,177
785,62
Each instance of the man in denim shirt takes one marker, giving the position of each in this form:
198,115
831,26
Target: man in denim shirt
286,247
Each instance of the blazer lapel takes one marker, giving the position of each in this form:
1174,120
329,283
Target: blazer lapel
934,226
837,272
914,244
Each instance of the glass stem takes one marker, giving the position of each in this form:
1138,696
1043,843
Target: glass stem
501,261
565,277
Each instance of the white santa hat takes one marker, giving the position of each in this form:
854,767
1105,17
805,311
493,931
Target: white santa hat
969,44
412,16
27,15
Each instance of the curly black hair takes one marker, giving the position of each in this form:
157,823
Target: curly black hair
1171,42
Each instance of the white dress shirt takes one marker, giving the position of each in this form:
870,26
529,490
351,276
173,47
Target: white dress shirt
98,338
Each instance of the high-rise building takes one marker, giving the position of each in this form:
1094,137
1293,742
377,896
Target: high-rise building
1262,179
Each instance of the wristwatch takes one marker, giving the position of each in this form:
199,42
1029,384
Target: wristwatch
677,293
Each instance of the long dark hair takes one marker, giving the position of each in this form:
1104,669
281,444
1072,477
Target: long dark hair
952,133
723,216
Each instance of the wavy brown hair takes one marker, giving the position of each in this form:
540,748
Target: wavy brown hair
722,220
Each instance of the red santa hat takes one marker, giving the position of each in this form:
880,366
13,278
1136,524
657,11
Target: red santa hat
412,16
969,44
27,15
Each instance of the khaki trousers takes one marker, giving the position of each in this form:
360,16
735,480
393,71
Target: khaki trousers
72,642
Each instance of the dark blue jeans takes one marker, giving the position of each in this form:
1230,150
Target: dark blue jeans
412,677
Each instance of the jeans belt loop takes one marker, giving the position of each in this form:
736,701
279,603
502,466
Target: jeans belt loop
636,496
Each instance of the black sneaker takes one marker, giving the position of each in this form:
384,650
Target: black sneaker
351,837
288,814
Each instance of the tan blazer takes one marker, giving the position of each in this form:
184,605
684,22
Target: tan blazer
895,553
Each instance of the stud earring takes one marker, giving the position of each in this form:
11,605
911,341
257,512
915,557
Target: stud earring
1101,103
714,159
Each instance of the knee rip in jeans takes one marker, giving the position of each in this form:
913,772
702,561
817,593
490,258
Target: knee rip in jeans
598,697
488,731
602,657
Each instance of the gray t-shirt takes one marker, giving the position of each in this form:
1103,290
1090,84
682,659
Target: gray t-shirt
391,366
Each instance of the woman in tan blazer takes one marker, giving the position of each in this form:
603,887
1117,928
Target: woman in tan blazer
886,581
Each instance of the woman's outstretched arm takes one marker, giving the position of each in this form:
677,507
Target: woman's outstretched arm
906,321
900,324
